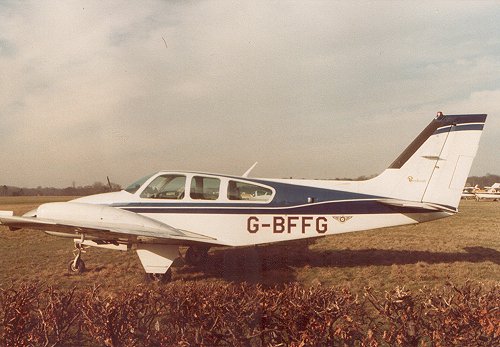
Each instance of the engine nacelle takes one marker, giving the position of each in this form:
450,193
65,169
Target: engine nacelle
93,214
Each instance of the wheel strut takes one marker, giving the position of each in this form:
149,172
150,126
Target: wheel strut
77,265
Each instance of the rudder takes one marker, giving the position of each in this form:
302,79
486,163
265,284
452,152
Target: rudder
454,163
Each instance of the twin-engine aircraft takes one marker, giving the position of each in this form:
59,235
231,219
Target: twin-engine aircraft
168,209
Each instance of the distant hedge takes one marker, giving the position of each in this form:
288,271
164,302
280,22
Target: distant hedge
190,313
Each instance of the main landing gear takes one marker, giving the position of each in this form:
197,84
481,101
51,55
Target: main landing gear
159,278
77,265
196,255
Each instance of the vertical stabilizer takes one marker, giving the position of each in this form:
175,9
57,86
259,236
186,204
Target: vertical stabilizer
435,166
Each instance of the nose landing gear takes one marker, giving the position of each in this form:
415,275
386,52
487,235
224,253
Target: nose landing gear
77,265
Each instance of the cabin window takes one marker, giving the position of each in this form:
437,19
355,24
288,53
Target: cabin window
166,187
247,191
204,188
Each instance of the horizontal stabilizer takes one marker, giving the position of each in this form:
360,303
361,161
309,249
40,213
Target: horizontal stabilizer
415,204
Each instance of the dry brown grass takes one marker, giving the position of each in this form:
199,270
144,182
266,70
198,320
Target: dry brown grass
462,247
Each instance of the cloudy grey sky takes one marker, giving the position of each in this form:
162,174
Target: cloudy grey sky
307,89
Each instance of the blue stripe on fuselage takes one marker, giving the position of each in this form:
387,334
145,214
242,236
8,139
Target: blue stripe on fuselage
294,194
325,208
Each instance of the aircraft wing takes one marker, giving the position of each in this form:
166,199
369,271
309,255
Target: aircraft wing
99,224
102,230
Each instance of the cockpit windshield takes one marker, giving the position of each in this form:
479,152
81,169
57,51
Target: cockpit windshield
170,186
137,184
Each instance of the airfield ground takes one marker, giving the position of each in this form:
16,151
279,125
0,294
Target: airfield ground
459,248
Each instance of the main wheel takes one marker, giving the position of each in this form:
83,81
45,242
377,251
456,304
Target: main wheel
160,278
196,255
79,267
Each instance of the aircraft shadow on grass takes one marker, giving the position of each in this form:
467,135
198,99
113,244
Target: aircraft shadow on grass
275,264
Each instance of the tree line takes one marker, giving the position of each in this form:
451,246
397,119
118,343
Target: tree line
96,188
483,181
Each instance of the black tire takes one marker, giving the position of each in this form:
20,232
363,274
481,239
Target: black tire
79,268
196,255
159,278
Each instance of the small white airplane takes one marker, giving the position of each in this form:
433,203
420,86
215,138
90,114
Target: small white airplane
491,193
168,209
469,192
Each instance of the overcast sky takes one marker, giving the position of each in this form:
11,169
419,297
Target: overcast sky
90,89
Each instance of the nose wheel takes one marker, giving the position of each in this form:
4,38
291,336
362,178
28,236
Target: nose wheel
77,265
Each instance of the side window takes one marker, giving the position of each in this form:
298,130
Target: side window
246,191
204,188
166,187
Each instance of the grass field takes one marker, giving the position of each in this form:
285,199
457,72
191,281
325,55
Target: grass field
465,246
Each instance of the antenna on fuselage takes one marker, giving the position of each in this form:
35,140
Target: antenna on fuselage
109,184
249,170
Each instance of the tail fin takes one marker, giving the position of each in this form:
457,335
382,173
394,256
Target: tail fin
435,166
